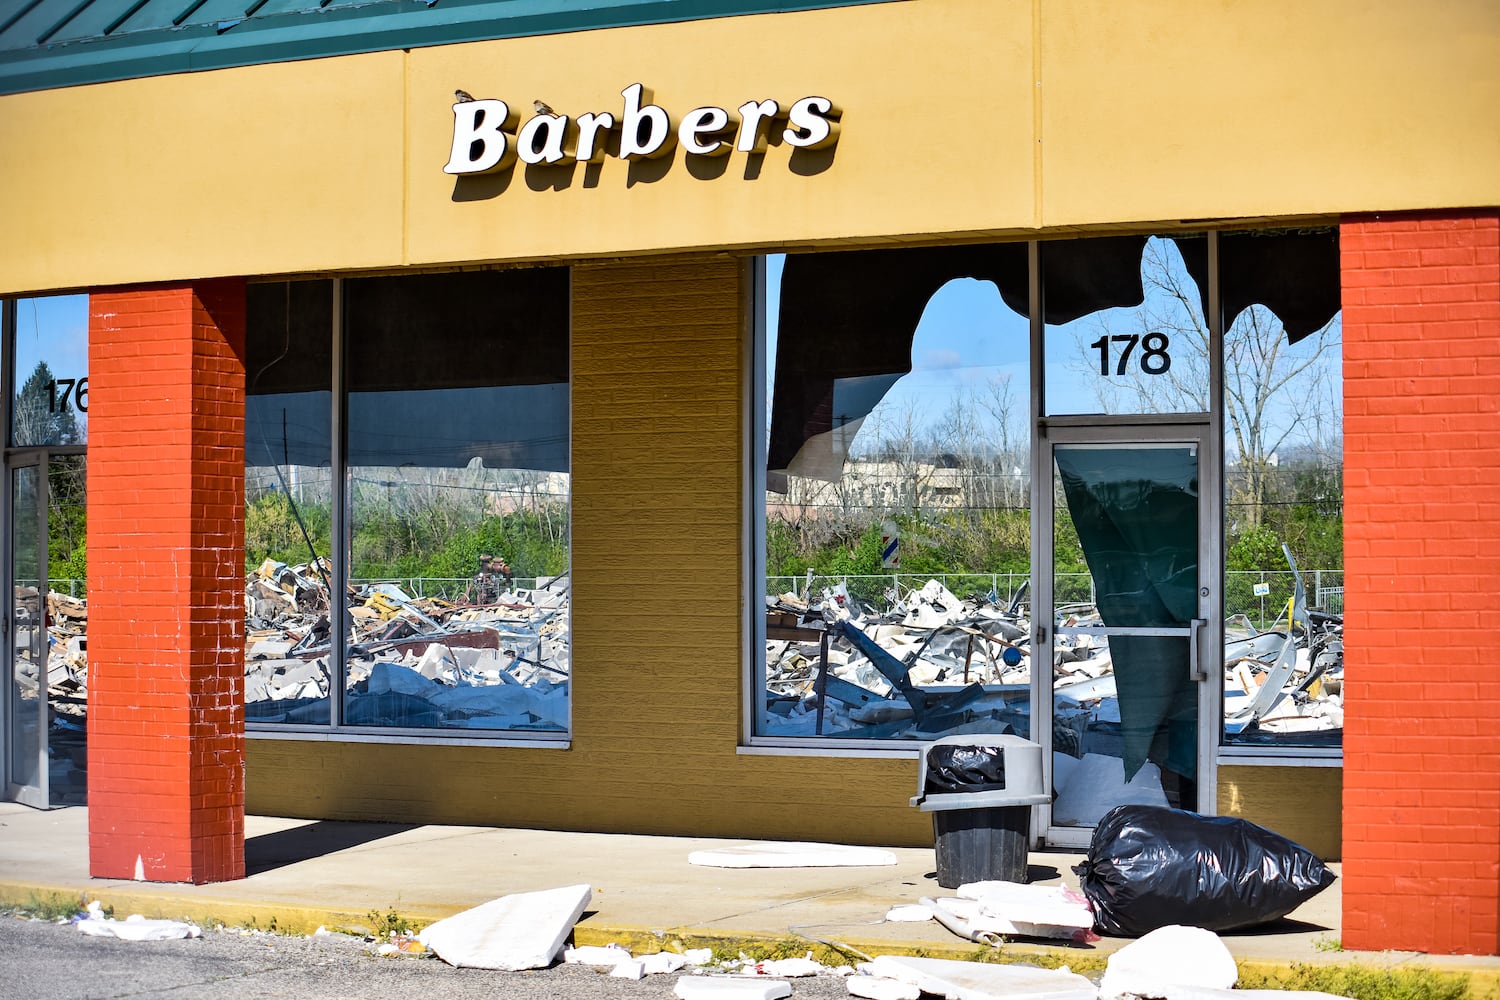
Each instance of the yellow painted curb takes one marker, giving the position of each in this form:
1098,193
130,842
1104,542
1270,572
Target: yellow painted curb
1482,981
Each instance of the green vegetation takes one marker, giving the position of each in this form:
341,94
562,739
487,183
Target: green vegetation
418,541
392,921
1302,506
1361,982
53,906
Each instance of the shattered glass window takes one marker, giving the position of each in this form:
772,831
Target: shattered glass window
896,538
1126,328
897,518
1283,459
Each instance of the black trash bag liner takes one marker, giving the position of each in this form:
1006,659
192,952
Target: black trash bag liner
1150,866
960,768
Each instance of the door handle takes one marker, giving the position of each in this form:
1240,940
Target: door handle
1195,670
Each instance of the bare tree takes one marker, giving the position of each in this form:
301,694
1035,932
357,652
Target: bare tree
1274,393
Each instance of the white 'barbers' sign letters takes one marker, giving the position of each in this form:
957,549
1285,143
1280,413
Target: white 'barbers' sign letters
485,137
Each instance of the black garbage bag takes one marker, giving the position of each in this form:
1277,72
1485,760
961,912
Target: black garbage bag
1150,866
956,767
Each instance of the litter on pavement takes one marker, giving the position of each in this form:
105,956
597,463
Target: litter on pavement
134,927
791,855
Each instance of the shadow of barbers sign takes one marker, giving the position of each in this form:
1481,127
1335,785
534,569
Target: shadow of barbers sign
489,136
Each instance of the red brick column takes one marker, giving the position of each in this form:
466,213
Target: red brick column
166,720
1422,574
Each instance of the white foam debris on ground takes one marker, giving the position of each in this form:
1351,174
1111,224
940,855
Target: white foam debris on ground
1183,963
791,854
520,931
730,988
134,927
1166,960
980,981
624,965
908,913
1024,910
662,963
607,955
790,968
880,988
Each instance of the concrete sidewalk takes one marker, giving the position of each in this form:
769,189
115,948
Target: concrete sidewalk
303,874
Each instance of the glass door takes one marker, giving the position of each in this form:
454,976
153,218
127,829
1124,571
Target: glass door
26,761
1124,595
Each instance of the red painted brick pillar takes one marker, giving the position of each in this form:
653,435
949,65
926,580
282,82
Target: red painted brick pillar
166,719
1422,572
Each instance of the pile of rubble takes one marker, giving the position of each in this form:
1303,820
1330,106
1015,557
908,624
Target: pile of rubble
414,662
931,664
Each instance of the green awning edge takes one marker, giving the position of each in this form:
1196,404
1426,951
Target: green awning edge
348,31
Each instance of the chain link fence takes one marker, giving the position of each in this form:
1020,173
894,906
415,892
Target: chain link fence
1261,596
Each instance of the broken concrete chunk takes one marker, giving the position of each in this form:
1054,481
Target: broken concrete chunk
978,981
521,931
730,988
791,855
879,988
1166,961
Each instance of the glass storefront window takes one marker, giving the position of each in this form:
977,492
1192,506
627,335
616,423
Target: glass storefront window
51,372
1125,325
886,375
454,497
289,662
1283,459
47,340
458,415
898,540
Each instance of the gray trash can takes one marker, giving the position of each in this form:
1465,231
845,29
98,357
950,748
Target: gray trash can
983,835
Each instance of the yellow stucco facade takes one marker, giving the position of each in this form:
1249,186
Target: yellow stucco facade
961,118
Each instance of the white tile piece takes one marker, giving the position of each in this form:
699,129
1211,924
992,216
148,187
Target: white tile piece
522,931
730,988
880,988
980,981
791,855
